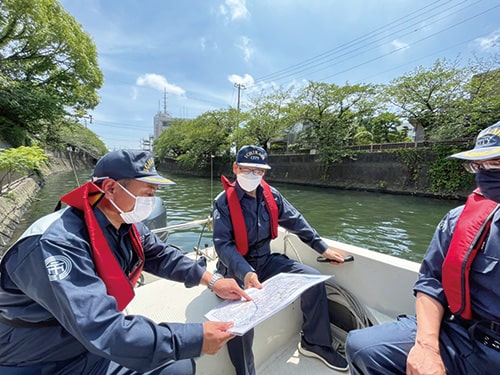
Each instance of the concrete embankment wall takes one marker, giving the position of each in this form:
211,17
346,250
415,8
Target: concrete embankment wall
379,172
18,199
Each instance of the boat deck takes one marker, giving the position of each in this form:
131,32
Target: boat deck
380,282
276,339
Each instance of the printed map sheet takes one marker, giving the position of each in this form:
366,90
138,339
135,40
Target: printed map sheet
276,293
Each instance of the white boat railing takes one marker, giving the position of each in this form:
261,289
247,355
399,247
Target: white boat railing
188,224
208,252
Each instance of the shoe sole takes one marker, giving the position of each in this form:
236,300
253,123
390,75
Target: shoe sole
307,353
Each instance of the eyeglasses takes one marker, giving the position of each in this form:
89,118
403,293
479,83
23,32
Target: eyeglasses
254,171
486,165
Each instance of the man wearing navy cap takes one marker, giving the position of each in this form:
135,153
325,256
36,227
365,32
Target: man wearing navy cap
65,282
246,218
456,329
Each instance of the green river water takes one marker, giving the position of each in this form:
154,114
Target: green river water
393,224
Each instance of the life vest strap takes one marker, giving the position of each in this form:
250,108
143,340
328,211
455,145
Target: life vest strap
236,213
471,231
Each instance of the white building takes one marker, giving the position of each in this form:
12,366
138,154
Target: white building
162,121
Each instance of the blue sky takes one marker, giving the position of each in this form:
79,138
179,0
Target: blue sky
199,49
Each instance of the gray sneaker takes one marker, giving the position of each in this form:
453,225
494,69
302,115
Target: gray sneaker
324,353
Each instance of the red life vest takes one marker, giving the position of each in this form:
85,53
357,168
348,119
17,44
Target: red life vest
469,235
118,284
237,219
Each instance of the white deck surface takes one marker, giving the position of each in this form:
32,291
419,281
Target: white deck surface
381,282
276,339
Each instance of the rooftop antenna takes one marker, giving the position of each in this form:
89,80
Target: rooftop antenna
165,100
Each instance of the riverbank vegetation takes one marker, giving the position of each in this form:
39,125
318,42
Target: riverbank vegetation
49,79
49,76
445,106
19,161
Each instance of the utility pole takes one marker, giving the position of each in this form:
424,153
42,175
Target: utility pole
240,87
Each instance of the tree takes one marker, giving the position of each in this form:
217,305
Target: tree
383,128
446,102
76,135
48,66
192,142
334,114
269,117
21,159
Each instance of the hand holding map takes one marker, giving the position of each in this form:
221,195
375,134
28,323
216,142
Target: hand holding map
276,293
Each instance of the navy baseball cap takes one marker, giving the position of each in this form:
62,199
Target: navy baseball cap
252,156
137,165
487,145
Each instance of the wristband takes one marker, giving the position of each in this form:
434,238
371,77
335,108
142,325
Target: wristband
213,280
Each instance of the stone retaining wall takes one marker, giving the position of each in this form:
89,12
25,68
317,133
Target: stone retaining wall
378,172
18,200
13,206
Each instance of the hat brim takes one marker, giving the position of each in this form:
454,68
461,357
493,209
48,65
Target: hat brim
478,154
157,180
254,165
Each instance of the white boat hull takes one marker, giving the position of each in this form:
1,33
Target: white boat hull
381,282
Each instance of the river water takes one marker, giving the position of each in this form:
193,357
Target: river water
392,224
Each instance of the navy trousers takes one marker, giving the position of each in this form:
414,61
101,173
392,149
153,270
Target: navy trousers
314,305
383,349
90,364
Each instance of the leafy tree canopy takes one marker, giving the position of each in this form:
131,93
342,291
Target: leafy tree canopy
48,66
21,159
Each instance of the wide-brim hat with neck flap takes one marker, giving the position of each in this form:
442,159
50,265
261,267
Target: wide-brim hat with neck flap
487,145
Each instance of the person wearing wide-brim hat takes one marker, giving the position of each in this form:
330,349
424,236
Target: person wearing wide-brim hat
456,329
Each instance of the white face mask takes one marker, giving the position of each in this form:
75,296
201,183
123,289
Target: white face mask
248,181
142,208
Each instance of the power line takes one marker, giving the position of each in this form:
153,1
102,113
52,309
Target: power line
416,42
330,52
348,48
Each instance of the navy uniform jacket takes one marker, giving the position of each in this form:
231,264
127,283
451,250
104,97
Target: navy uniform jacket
258,227
484,274
87,317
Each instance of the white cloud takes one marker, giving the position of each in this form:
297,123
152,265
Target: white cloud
234,9
246,47
490,41
399,45
158,82
246,80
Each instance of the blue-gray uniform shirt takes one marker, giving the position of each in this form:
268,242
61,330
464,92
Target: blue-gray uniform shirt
31,290
484,274
258,227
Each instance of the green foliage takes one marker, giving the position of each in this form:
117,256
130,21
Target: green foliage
333,115
48,67
383,128
414,159
76,135
193,142
269,117
444,100
20,160
448,175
